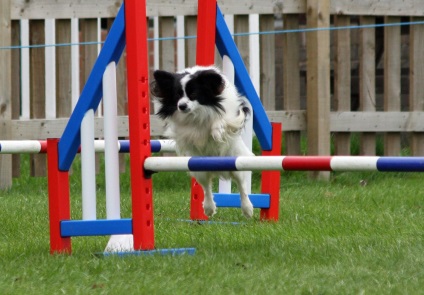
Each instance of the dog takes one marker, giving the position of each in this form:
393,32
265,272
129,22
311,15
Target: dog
205,115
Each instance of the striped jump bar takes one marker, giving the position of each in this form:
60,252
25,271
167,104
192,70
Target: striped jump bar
286,163
40,146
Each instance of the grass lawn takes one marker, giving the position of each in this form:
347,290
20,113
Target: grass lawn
360,233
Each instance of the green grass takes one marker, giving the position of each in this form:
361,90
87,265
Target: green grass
337,237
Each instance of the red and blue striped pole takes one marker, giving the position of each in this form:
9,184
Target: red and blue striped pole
286,163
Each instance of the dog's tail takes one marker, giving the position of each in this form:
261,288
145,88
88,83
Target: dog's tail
236,124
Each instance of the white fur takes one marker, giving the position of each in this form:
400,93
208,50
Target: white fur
202,131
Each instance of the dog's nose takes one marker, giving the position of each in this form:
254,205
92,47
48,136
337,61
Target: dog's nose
182,106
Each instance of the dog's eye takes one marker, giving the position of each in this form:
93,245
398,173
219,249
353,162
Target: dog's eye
192,95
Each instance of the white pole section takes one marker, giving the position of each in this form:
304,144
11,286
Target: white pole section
111,142
50,68
180,43
113,209
88,170
25,87
254,60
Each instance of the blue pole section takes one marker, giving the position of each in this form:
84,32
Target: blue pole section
226,46
92,92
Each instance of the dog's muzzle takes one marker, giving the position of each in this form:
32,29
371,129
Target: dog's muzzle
183,107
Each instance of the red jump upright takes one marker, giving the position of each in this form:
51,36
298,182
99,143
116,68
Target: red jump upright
59,202
205,56
139,123
271,180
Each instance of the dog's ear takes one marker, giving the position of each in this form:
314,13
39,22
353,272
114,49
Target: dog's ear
163,83
212,80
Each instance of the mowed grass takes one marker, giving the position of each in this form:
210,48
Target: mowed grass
360,233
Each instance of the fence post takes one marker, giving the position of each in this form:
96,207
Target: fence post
5,92
416,76
318,80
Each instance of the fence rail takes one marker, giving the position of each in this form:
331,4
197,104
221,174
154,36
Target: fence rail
366,80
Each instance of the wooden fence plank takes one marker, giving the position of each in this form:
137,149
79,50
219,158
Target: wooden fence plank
372,7
318,81
416,78
32,9
367,79
241,25
16,89
37,87
372,122
40,9
167,53
342,80
63,70
190,44
5,92
267,61
392,76
291,79
294,121
88,29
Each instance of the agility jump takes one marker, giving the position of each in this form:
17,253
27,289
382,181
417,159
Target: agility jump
130,29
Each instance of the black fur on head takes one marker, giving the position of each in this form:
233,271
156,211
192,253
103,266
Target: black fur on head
167,88
204,86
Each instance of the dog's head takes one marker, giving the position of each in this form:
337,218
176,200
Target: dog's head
188,91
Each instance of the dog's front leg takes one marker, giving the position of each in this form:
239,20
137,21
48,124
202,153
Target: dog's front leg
205,180
240,178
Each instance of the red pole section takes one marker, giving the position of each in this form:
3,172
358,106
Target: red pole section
307,163
196,205
271,179
139,123
59,203
206,27
205,56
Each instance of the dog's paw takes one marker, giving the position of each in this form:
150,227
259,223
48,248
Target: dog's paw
247,208
209,208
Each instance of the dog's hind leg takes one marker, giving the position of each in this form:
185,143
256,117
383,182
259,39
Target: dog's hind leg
240,178
205,180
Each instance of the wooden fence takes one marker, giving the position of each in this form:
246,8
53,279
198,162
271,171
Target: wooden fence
326,84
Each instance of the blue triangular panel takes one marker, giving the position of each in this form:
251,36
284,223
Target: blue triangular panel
226,46
92,93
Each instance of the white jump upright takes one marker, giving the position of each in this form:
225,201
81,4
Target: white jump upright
113,206
111,149
111,146
88,168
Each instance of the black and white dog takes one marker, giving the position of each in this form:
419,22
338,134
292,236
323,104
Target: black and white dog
205,115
